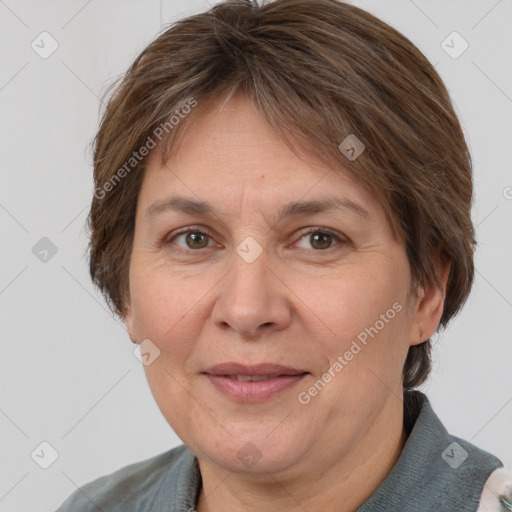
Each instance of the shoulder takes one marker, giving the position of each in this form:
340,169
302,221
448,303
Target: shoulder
453,471
497,492
130,487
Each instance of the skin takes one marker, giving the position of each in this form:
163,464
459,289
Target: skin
300,303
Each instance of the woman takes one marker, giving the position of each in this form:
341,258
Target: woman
282,219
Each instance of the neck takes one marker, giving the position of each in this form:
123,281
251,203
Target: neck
341,487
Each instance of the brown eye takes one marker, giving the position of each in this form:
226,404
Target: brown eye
196,240
320,239
193,239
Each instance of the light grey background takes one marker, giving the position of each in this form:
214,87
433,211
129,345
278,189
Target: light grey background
67,372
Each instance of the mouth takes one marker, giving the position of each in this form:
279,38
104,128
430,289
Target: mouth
257,383
251,378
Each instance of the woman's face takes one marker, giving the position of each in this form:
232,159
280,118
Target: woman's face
320,289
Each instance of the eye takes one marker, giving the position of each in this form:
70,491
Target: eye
321,239
193,239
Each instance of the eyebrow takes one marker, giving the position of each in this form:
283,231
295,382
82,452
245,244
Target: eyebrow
293,209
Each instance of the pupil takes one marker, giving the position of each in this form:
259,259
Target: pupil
325,237
194,237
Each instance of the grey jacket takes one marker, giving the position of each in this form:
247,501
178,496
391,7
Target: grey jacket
436,472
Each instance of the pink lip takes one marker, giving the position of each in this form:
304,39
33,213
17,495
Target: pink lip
282,378
248,391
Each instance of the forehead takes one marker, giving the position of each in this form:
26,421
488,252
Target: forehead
228,152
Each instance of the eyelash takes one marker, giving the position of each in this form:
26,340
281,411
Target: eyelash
308,231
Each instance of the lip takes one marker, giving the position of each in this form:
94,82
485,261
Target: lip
282,378
271,369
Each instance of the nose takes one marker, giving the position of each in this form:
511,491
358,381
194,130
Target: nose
252,299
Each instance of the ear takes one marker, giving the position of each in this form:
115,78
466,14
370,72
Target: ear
429,307
130,323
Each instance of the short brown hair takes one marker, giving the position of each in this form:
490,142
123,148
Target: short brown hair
317,70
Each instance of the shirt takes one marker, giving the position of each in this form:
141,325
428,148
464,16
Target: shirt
436,472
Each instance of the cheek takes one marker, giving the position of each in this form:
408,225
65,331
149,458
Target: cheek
171,308
352,298
362,305
163,307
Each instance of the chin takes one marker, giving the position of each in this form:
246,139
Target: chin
254,453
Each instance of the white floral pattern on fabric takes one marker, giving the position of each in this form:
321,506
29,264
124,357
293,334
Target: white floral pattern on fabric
497,493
